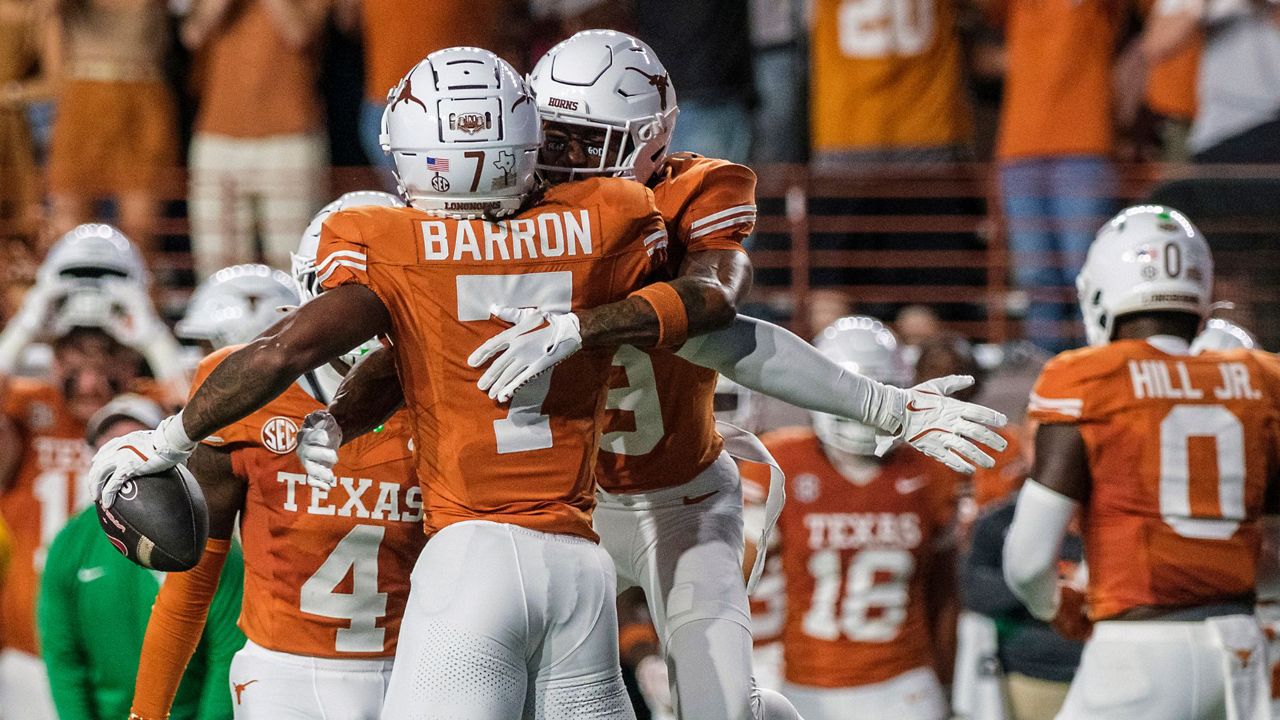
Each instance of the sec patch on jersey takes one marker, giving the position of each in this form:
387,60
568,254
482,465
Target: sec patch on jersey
159,521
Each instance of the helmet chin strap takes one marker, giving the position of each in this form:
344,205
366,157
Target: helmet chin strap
321,384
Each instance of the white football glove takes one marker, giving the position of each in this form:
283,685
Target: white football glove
318,444
535,343
137,324
141,452
944,428
34,316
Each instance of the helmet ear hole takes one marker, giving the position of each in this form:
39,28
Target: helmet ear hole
1097,297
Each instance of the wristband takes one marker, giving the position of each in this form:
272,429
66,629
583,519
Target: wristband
175,435
673,319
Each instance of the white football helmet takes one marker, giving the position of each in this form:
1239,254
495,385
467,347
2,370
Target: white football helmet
1219,334
303,261
463,132
614,82
93,251
236,304
1147,258
865,346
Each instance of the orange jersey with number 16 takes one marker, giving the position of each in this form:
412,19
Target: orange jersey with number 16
855,558
1181,450
660,431
530,462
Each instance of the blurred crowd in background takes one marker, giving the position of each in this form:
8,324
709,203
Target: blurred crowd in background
217,127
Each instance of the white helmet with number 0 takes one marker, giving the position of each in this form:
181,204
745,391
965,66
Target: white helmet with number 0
463,133
236,303
613,82
1147,258
91,252
865,346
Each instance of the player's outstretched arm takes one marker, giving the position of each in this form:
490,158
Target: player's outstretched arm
248,379
1045,507
367,397
178,617
771,360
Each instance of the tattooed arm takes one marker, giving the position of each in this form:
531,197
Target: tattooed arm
315,333
711,283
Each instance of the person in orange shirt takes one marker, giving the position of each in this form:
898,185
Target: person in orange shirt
1172,460
1054,147
259,154
865,544
316,645
76,307
512,601
886,84
398,34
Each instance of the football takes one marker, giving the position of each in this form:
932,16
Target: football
159,521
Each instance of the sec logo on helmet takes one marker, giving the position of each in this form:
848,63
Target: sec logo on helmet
280,435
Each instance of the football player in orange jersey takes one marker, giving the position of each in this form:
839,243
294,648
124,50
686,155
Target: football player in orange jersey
608,109
865,545
1171,460
317,645
511,609
76,306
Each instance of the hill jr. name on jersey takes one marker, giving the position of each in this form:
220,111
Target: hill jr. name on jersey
353,497
1171,381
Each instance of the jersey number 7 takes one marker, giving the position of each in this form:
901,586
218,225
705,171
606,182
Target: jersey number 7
525,427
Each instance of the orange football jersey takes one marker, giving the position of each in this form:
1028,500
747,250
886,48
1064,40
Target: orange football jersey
854,561
886,75
659,431
1180,450
529,462
46,491
326,573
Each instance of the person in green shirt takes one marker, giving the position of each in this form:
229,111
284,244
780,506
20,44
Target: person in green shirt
94,605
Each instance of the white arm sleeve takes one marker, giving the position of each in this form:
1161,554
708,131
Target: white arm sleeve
771,360
1032,546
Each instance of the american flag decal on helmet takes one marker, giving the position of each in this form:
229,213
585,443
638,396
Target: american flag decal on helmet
437,164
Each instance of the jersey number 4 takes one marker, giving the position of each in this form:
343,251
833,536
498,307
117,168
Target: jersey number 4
357,554
525,427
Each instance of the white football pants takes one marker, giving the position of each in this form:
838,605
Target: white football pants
24,688
1210,670
504,622
683,547
913,695
270,685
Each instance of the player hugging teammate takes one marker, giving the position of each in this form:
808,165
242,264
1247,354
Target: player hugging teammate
503,333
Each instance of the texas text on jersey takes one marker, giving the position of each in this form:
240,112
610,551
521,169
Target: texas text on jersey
301,543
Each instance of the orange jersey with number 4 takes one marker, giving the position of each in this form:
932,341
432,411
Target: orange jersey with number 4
45,492
530,462
1181,450
855,558
326,573
660,431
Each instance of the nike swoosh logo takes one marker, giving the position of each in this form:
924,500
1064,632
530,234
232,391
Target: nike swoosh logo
695,499
906,486
85,575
